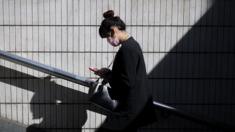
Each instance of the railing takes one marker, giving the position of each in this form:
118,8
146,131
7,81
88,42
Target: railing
90,83
194,117
46,69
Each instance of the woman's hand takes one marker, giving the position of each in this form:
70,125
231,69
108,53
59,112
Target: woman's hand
103,72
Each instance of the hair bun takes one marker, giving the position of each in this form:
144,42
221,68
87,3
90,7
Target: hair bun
108,14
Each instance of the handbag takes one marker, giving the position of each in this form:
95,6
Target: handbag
100,96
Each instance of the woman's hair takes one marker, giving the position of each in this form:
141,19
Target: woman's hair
109,21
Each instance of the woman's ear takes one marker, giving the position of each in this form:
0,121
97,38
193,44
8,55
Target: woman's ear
114,30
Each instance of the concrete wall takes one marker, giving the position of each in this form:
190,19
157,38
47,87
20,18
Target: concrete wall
188,47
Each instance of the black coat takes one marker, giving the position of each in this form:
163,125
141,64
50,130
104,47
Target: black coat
129,86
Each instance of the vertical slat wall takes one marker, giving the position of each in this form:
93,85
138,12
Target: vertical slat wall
179,38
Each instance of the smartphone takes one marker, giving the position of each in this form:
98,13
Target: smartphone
93,69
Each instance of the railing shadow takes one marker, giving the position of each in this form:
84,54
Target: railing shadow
61,108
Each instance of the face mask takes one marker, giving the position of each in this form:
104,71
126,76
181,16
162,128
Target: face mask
113,41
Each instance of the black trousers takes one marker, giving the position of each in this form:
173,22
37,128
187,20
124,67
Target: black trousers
147,116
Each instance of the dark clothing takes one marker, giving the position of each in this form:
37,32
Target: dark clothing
129,86
129,78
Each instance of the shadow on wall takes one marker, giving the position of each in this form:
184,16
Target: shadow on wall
198,74
69,115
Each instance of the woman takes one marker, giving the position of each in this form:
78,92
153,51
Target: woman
127,79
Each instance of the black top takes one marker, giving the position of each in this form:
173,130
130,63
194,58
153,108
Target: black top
128,82
129,76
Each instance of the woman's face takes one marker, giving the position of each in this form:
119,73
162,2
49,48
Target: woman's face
113,41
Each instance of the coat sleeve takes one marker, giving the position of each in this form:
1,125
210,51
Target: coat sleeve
123,73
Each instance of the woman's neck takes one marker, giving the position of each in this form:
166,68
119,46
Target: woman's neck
124,36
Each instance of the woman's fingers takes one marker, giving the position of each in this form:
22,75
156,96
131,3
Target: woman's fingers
93,69
100,72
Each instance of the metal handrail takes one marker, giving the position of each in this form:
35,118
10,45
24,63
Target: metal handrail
194,117
46,69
